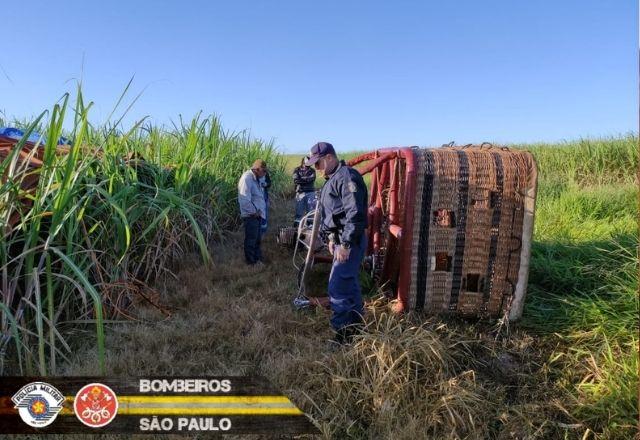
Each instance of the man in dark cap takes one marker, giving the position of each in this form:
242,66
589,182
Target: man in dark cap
304,178
343,204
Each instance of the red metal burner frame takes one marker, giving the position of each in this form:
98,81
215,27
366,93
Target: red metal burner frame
393,188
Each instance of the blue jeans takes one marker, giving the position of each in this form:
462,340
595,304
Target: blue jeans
344,288
305,202
252,238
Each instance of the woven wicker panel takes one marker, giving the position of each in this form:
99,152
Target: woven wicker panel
442,239
420,164
467,227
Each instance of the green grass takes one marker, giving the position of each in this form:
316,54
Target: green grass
588,161
583,284
107,218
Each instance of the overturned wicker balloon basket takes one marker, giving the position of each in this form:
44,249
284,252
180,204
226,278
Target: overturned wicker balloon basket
450,228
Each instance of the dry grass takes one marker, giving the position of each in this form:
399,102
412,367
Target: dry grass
402,377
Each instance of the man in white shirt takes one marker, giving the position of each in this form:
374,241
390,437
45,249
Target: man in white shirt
252,210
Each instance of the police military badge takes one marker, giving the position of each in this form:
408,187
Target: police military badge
352,186
38,404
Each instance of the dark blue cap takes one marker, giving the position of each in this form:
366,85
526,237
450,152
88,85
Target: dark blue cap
319,150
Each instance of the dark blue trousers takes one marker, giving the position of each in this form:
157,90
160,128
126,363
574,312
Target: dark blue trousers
252,238
344,288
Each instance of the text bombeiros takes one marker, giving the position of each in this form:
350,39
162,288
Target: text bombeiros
185,385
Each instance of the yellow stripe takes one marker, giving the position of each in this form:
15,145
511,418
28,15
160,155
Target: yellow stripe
203,399
199,411
124,401
209,411
198,399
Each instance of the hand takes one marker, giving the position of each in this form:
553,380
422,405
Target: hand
332,246
342,254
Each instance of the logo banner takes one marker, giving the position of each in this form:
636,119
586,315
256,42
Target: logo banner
147,405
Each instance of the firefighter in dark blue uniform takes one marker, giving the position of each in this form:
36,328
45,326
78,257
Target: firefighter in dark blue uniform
343,201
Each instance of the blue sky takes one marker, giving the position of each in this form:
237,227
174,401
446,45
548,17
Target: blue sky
358,74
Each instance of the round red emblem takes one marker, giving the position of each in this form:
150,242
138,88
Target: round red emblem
95,405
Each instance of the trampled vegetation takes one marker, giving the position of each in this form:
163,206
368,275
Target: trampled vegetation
115,215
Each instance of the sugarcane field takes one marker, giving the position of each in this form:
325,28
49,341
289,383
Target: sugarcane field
342,221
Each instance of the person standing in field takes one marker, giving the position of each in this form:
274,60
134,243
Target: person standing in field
304,177
252,210
343,205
